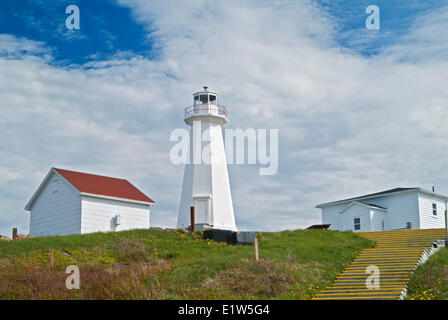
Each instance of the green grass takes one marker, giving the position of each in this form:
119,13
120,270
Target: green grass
430,280
157,264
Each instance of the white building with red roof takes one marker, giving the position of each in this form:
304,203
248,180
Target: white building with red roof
69,202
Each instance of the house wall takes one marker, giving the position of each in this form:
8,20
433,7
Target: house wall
356,211
57,209
377,217
401,208
331,215
98,214
427,219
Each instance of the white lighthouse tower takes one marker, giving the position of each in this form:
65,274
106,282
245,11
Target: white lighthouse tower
206,184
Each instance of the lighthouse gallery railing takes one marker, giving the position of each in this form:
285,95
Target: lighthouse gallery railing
212,108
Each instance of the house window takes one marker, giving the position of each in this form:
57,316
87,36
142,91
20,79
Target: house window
408,225
357,222
434,209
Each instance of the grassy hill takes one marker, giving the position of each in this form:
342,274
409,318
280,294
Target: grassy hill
430,280
157,264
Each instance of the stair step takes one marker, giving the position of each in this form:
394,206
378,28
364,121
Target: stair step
384,263
355,298
396,254
388,267
355,287
359,289
361,292
363,283
386,258
382,273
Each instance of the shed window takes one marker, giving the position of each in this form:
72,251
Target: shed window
434,209
357,222
408,225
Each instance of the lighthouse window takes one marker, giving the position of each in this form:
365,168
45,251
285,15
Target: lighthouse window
212,98
204,98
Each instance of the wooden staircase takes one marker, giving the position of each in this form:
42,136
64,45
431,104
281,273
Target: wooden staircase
396,254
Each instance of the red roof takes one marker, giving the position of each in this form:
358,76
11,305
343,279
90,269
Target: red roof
105,186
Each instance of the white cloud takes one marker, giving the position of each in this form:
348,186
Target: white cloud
347,124
12,47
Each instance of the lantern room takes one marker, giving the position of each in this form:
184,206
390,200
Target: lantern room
205,97
205,104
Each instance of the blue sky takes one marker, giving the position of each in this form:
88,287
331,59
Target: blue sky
397,19
357,110
107,29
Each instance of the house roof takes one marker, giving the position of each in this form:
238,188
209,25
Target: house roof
368,205
375,206
382,193
96,185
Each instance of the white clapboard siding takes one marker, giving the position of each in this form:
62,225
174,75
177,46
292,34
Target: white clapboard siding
98,215
57,210
356,211
60,207
331,215
401,208
427,219
377,217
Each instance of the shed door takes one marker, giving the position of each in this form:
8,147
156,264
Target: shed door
201,211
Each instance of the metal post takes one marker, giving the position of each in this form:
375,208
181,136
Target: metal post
192,219
14,233
256,248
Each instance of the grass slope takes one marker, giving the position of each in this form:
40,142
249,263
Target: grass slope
156,264
430,280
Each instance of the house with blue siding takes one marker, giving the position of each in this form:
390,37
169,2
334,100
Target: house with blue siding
394,209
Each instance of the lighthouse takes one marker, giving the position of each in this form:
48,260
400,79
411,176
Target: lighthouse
206,184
